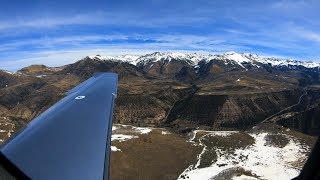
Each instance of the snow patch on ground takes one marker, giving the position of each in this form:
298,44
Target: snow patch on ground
114,148
243,177
165,132
212,133
120,132
41,76
142,130
122,137
129,128
222,133
114,128
193,135
267,162
6,130
122,125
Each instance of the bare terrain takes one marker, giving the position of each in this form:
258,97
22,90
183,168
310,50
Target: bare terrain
259,153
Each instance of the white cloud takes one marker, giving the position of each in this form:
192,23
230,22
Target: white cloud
77,47
58,41
307,34
291,4
62,57
49,22
137,19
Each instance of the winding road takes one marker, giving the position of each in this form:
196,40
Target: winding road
280,112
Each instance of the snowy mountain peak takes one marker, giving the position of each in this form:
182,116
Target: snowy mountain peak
132,59
194,58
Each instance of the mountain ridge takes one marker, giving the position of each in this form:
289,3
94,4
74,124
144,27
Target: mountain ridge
195,58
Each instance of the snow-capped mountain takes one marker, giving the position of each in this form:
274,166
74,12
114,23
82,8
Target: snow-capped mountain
231,58
132,59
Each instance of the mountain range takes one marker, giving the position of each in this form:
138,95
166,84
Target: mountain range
195,58
178,90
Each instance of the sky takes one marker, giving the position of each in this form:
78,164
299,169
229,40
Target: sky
59,32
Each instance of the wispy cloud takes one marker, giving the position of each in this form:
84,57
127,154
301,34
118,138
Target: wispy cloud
307,34
61,35
49,22
291,4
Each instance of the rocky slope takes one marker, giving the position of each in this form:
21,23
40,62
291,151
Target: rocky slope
230,111
303,116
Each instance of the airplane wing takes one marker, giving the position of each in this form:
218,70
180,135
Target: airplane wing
311,169
71,140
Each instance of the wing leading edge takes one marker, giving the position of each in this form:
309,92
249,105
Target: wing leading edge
71,140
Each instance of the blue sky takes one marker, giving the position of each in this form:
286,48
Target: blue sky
63,31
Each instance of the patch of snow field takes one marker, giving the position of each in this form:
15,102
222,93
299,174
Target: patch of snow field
242,177
114,128
194,133
222,133
142,130
114,148
267,162
165,132
122,137
213,133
